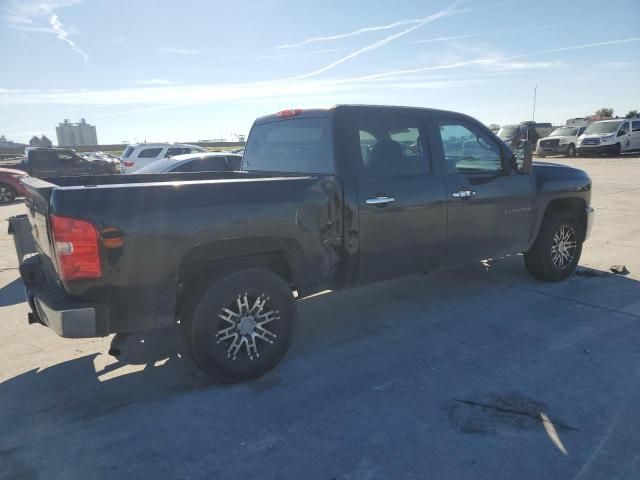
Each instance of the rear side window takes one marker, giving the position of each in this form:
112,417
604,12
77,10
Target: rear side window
635,126
127,152
43,159
234,162
149,153
392,145
173,151
210,164
301,145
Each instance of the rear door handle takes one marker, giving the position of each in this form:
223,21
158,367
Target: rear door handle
380,201
464,194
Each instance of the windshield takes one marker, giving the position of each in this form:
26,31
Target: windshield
507,132
603,127
301,145
564,132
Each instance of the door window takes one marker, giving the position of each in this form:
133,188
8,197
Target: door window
43,159
624,129
149,153
469,151
392,146
635,126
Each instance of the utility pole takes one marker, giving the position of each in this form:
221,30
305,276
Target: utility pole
535,92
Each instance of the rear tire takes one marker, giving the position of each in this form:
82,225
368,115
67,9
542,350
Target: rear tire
242,325
557,248
7,193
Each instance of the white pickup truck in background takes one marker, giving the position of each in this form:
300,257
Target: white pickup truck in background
562,141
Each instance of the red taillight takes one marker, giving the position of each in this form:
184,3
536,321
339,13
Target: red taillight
129,163
76,248
289,113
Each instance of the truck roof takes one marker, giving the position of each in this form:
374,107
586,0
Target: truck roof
324,112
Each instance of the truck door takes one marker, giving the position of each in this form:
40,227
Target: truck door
489,205
401,199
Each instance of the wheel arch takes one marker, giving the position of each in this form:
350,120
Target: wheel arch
208,262
575,205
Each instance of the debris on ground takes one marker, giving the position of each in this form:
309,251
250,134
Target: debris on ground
620,269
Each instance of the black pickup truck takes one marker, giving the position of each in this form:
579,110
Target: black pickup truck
326,199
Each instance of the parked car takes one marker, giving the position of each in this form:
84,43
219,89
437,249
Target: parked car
135,157
562,141
327,200
45,162
610,136
10,186
195,162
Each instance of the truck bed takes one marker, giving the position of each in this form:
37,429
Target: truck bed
171,221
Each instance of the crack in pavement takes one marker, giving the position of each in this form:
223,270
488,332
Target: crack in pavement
536,417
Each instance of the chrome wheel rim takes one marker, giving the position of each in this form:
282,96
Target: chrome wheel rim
6,195
246,325
563,247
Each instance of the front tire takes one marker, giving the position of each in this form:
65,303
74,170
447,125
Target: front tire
556,251
242,325
572,150
617,150
7,193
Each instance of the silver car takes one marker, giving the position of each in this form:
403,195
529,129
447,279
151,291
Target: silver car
195,162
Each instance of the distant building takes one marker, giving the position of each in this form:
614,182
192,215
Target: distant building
43,141
75,134
8,144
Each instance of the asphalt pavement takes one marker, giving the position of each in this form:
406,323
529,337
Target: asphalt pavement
477,372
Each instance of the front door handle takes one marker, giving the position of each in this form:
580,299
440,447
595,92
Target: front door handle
464,194
380,201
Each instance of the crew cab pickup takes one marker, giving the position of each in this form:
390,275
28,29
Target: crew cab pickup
326,200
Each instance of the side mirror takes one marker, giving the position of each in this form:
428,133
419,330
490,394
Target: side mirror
526,166
523,158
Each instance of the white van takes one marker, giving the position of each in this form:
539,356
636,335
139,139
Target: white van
138,156
610,136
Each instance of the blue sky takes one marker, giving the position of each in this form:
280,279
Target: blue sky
177,71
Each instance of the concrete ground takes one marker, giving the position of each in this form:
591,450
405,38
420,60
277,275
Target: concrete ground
478,372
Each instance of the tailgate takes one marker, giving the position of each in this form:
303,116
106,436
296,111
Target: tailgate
37,194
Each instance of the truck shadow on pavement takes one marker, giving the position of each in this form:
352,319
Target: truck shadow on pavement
409,325
155,361
12,293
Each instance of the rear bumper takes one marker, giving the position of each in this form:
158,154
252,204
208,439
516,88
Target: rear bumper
53,308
